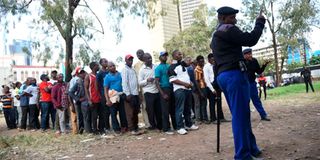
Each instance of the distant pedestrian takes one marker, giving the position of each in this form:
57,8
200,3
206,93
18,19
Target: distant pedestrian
307,77
262,86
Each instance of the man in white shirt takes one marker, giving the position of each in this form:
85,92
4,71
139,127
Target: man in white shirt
151,92
179,77
33,92
209,79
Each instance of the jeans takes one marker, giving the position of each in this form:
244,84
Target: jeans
203,105
102,114
167,108
153,108
235,86
79,115
44,107
52,114
183,102
256,100
196,105
212,104
9,115
25,111
34,117
114,109
106,110
19,115
90,116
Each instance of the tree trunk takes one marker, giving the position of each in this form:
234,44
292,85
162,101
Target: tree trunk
274,41
69,42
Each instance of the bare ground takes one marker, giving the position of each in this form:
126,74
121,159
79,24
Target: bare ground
293,133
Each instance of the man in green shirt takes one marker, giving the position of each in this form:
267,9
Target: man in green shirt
166,94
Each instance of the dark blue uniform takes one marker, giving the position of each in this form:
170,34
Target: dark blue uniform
253,68
226,46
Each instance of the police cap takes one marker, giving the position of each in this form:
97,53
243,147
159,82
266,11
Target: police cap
246,51
227,11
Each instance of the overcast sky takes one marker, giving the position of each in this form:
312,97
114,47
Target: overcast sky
135,33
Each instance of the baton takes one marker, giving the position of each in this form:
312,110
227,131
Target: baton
218,100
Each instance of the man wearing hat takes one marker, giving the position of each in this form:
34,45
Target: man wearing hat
253,68
76,114
130,88
166,94
226,45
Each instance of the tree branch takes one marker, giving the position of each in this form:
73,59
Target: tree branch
85,41
102,29
55,21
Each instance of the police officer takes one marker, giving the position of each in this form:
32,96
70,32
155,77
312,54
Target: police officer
226,45
306,73
253,68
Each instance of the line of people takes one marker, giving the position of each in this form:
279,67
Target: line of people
171,95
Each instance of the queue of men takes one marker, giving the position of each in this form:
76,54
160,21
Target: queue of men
106,100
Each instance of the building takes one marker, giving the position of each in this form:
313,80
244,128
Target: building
21,73
175,18
187,8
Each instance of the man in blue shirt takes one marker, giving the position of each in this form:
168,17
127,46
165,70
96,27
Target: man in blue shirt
112,89
166,94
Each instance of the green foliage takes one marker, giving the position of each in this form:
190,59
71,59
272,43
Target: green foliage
13,7
195,40
315,60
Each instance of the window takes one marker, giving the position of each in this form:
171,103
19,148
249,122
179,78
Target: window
22,76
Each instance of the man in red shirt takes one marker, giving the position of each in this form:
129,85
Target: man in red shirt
93,95
45,102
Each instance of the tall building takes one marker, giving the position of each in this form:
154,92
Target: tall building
187,7
175,18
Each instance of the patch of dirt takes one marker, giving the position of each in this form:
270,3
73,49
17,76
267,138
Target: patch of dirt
292,133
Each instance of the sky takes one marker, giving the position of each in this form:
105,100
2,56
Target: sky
135,33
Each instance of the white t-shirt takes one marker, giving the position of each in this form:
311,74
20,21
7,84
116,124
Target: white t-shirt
34,91
14,93
180,75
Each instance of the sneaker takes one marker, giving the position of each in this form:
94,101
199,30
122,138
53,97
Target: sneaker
182,131
169,132
265,119
193,127
135,132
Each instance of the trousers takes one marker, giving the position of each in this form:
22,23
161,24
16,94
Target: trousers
236,88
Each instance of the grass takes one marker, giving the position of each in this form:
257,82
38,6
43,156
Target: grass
291,89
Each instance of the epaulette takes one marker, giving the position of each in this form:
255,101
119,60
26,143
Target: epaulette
224,27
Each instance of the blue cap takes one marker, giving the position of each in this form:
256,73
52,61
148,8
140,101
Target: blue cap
163,53
227,11
247,50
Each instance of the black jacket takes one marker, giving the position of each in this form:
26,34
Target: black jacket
227,42
253,68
